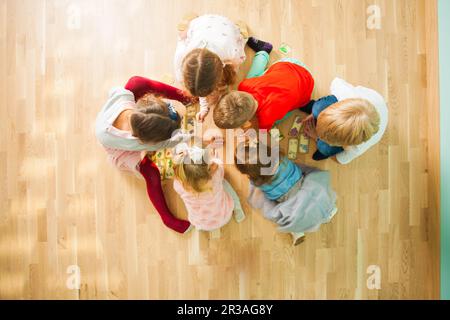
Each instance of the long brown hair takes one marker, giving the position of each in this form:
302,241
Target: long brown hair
250,168
204,73
150,122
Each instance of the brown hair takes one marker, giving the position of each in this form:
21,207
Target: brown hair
233,110
348,122
194,176
250,168
204,72
150,122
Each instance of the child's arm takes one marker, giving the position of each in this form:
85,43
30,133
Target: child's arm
211,100
140,86
204,109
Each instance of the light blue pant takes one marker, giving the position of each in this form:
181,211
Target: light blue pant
261,61
229,189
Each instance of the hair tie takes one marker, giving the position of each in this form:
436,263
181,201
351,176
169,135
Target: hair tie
172,112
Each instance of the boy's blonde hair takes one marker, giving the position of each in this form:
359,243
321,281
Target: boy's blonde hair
194,177
348,122
233,110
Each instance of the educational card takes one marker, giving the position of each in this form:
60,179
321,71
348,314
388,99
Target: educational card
296,127
292,149
303,144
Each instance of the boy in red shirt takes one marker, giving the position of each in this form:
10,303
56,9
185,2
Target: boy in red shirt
265,97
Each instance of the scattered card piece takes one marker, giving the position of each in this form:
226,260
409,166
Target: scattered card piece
292,149
190,125
169,173
161,166
159,155
303,144
296,127
285,48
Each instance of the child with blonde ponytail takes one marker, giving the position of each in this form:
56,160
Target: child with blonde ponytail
199,180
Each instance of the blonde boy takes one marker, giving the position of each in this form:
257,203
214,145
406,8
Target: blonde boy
346,123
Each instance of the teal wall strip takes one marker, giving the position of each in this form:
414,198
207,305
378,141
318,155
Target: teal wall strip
444,71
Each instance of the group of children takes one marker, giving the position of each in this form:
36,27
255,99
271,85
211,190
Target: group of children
142,118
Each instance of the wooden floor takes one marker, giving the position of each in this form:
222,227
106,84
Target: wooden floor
63,205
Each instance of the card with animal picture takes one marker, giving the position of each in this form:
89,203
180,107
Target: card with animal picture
169,172
296,127
292,149
303,143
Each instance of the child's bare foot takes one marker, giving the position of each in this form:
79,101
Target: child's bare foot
191,227
333,213
297,238
242,28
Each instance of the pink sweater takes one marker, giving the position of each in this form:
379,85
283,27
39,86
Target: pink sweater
208,210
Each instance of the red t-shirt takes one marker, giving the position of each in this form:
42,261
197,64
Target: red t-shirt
284,87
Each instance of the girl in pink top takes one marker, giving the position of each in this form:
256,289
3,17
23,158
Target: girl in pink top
199,180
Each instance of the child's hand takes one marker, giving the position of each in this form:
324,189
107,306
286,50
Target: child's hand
201,115
214,140
310,130
309,118
189,100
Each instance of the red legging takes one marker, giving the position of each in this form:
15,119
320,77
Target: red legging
152,178
141,86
